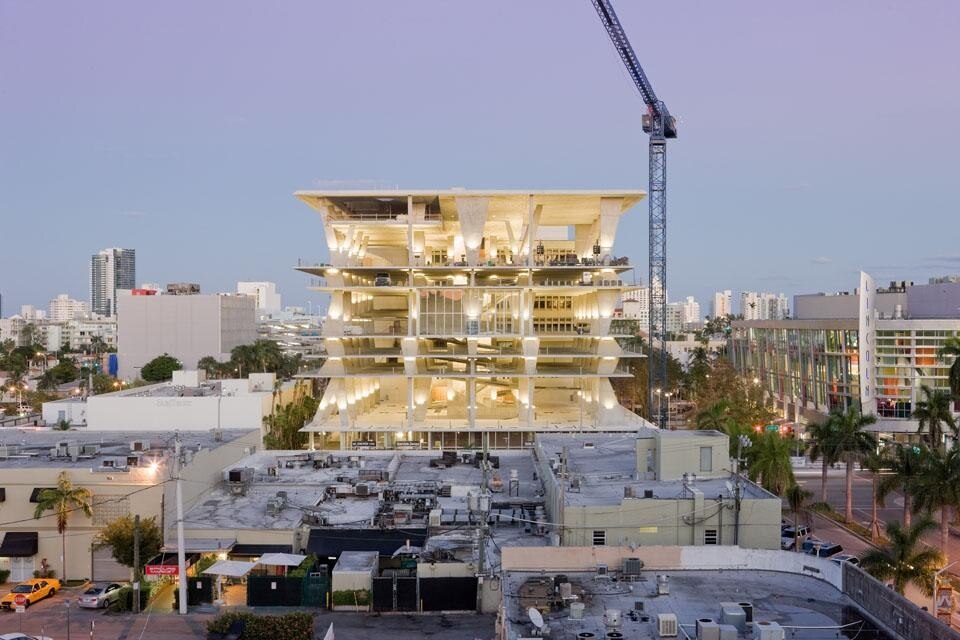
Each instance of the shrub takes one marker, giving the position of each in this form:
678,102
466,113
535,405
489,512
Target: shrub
4,575
49,573
124,603
289,626
360,597
304,567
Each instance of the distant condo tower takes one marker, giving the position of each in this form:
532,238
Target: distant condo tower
464,319
111,269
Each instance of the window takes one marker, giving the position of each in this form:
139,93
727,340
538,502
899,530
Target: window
599,538
706,458
710,536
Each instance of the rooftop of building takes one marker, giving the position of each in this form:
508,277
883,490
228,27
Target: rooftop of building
26,448
189,384
787,599
324,484
606,466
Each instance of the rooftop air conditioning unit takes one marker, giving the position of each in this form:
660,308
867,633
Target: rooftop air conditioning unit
362,490
601,571
667,625
707,629
632,566
765,630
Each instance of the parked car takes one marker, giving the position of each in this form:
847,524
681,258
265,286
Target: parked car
20,636
382,280
840,558
822,549
790,533
100,595
34,590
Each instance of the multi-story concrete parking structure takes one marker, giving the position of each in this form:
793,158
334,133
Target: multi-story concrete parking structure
469,318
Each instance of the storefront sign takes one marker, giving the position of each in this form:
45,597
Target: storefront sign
161,570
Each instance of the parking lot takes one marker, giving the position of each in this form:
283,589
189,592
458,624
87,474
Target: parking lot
49,617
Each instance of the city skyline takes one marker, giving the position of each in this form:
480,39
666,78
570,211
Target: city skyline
190,164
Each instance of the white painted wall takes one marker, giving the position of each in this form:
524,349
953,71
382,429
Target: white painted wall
111,413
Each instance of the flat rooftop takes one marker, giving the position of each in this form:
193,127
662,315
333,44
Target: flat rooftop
606,463
307,487
788,599
26,448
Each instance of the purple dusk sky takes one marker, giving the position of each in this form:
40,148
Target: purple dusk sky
816,139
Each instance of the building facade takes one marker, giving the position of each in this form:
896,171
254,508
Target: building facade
469,318
873,348
63,308
722,304
185,327
265,293
111,269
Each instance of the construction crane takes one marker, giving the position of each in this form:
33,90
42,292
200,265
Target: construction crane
660,126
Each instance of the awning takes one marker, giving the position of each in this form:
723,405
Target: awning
230,568
257,550
170,559
332,542
19,544
282,559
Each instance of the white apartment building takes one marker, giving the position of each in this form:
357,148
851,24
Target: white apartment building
186,327
676,312
764,306
265,293
64,308
469,318
722,304
691,311
636,306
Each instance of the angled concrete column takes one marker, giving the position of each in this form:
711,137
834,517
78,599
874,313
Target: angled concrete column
610,212
472,213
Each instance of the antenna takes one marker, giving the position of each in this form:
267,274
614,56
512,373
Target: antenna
535,617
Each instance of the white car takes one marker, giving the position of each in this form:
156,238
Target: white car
20,636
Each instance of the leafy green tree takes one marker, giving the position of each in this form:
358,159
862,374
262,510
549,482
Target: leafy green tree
62,500
769,462
160,368
904,559
903,462
937,486
118,536
47,381
213,367
933,413
853,443
65,371
62,425
951,347
824,446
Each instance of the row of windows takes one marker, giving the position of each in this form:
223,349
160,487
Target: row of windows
710,536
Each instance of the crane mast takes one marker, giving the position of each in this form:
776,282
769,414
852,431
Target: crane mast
660,126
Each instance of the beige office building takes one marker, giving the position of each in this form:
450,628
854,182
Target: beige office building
469,318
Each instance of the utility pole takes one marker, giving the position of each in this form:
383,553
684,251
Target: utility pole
482,532
181,555
136,563
742,443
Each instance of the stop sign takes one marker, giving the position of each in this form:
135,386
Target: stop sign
20,600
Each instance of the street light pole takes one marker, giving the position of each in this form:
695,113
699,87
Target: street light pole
936,578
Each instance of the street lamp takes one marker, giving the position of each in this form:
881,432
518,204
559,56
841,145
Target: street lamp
936,578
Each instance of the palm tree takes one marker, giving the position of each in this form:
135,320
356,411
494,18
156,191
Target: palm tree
932,413
47,381
823,446
951,347
63,499
769,461
714,417
904,461
853,444
937,486
901,561
875,462
798,498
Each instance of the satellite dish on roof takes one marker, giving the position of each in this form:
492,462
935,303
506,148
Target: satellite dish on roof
535,617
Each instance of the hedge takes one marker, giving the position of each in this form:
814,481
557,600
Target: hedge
289,626
4,575
124,603
358,597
